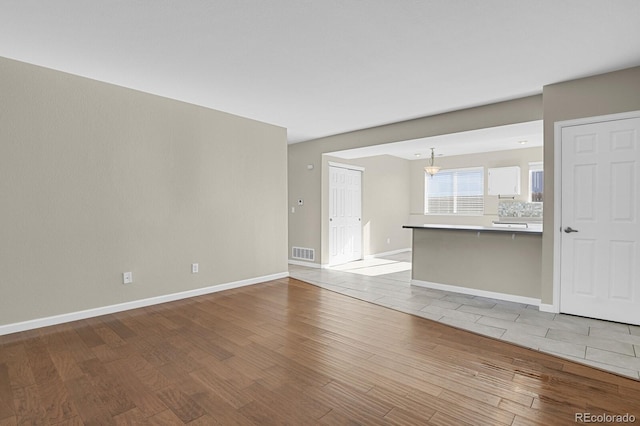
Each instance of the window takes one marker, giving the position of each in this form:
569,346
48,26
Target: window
536,182
455,192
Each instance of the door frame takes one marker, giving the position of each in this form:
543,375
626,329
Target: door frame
557,192
358,169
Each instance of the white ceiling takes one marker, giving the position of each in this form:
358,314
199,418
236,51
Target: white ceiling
322,67
502,138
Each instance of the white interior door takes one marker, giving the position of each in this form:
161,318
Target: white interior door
600,229
345,211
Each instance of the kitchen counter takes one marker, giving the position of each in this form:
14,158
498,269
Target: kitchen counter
477,228
500,263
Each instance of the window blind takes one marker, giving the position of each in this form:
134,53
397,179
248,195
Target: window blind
455,192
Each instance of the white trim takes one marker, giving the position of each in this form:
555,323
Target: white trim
476,292
387,253
557,189
346,166
310,264
543,307
104,310
598,119
307,264
557,212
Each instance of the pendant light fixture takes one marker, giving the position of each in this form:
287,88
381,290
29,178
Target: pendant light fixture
432,169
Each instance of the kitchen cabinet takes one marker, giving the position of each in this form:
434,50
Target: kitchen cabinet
504,181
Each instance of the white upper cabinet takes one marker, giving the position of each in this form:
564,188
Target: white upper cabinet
504,181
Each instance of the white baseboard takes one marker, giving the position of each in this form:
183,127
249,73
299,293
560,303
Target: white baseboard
303,263
476,292
104,310
387,253
543,307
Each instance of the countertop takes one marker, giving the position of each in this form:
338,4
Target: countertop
477,228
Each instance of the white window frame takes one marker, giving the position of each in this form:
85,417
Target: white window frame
427,177
536,166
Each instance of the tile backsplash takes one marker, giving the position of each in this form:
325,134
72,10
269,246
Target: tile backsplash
514,208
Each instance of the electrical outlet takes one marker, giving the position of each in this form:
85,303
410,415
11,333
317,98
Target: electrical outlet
127,277
194,268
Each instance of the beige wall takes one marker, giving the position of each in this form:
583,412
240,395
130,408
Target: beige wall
599,95
307,227
385,202
96,180
515,157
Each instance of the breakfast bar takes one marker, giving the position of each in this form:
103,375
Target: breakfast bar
502,263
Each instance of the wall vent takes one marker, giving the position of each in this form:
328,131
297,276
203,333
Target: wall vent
303,253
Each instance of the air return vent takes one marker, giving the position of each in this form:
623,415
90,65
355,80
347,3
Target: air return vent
303,253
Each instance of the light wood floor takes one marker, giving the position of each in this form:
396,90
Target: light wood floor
286,352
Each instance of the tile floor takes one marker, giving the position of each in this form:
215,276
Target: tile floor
386,281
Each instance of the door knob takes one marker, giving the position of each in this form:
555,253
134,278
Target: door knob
569,230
